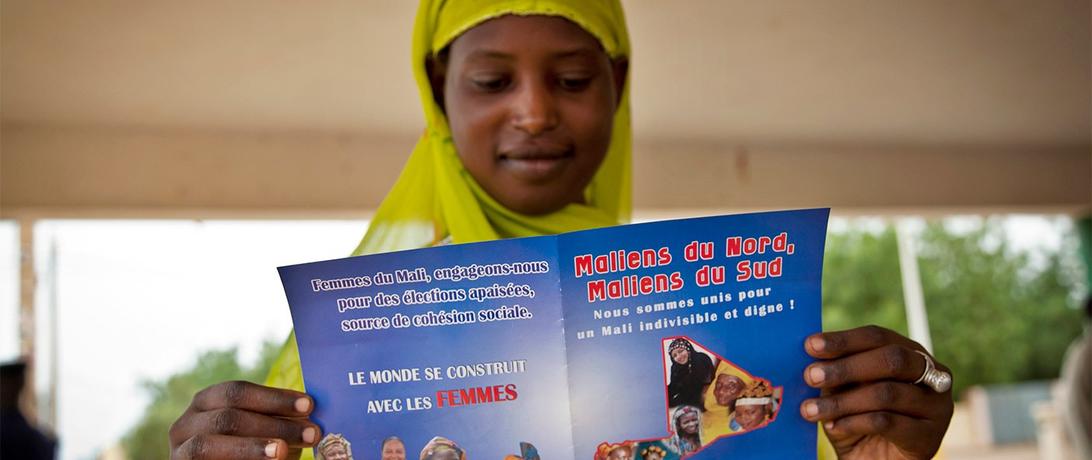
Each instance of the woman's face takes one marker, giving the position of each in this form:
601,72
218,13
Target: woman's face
727,389
394,450
751,416
335,452
618,454
444,454
531,102
680,355
688,423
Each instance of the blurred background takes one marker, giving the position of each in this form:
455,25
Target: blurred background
159,159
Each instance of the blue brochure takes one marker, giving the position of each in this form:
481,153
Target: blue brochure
657,341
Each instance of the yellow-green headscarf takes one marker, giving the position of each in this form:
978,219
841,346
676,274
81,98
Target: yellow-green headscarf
435,198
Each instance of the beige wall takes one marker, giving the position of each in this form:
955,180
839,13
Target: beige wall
84,172
134,108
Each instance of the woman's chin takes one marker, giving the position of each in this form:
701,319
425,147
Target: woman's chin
534,200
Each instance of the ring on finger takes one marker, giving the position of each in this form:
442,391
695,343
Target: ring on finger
940,381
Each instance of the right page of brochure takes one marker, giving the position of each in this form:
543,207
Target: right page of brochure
685,338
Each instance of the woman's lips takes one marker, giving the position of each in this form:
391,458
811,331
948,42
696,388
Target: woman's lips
536,165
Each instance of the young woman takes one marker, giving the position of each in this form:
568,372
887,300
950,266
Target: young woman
691,372
685,421
528,133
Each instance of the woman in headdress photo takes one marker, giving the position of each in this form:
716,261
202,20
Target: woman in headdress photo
686,423
691,372
652,452
753,408
622,451
334,447
441,448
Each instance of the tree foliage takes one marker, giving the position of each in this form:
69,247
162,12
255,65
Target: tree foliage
170,398
994,315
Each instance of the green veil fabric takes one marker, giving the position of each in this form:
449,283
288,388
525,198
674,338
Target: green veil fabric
435,197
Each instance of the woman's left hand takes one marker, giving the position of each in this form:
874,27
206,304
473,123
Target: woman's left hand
869,405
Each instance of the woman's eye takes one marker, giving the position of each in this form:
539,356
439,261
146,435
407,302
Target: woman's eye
490,84
574,83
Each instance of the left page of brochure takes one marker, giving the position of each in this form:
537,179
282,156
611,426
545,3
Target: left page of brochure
453,348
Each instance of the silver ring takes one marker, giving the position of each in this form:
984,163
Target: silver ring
940,381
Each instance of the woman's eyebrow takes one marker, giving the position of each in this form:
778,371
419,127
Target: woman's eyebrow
490,54
485,53
583,51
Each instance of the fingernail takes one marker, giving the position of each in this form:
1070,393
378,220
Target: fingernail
303,405
309,435
829,425
811,409
817,343
817,375
271,450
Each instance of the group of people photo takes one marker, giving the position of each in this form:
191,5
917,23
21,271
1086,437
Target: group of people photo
335,447
727,399
708,398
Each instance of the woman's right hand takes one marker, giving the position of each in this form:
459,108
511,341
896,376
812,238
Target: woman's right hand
243,420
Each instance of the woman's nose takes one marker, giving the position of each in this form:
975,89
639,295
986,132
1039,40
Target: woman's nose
534,110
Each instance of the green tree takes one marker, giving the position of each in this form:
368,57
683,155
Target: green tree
861,281
994,316
170,398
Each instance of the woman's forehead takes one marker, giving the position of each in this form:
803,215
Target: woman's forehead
513,35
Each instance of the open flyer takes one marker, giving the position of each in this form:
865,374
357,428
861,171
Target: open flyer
655,341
